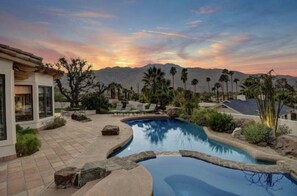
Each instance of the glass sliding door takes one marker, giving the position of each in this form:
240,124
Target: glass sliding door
45,101
23,103
2,109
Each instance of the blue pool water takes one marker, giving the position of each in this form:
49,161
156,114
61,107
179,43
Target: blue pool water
182,176
175,135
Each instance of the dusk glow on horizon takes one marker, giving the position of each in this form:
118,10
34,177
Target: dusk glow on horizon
248,36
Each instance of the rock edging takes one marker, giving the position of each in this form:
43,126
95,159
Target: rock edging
281,167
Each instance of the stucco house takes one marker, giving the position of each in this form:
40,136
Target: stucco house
26,95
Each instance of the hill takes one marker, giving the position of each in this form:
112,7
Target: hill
132,76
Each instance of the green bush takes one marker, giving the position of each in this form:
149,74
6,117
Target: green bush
93,101
283,130
220,122
256,133
27,141
56,123
200,116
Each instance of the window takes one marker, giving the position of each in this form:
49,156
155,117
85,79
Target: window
45,101
2,109
23,103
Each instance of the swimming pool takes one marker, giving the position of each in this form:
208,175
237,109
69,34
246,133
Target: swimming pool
173,135
183,176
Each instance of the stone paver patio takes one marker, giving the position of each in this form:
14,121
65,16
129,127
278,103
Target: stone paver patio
29,175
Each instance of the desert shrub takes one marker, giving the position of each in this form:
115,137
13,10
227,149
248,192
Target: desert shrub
283,130
200,116
220,122
27,141
256,133
179,100
55,123
93,101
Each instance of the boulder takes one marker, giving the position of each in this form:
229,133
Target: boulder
287,145
110,130
237,132
64,178
142,156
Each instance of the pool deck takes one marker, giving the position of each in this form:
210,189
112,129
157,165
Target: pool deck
78,143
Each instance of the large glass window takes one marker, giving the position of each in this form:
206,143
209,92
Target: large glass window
23,103
45,101
2,108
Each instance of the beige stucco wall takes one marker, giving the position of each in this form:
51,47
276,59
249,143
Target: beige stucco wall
7,147
37,80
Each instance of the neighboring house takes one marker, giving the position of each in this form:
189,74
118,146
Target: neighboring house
250,107
26,95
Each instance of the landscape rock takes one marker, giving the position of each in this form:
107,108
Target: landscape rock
91,171
65,177
110,130
287,145
141,156
237,133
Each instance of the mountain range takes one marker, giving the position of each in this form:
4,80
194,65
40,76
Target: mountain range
131,77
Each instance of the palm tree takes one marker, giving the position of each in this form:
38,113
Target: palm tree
152,79
173,72
217,86
208,80
222,80
225,78
236,80
231,81
184,77
194,83
226,72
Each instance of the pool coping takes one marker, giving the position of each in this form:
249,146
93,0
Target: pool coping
282,162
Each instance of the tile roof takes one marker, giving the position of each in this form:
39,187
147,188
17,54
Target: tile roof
250,106
20,54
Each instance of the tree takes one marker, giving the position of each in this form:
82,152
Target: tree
79,79
271,94
225,72
230,73
208,80
236,80
194,84
184,77
217,86
112,88
173,72
156,87
225,78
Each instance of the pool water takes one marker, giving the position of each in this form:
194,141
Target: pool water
174,135
183,176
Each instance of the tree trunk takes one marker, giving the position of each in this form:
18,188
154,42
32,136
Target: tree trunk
208,87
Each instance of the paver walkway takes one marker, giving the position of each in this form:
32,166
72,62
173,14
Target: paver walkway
28,175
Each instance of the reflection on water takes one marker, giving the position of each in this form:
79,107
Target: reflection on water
174,135
270,182
173,175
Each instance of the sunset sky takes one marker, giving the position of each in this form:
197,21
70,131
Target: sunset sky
245,35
